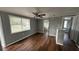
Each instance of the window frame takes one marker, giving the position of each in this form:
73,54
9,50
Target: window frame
21,24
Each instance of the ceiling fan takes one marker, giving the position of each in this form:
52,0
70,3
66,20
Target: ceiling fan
37,14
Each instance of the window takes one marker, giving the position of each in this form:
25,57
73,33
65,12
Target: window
25,24
19,24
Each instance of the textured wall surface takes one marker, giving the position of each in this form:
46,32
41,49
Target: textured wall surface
40,25
75,29
55,23
10,38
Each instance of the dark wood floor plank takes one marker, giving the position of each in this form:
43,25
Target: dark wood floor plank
41,42
37,42
69,44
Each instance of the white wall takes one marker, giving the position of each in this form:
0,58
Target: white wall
75,29
11,38
2,41
54,24
39,25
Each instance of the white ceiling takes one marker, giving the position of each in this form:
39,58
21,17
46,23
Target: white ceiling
50,11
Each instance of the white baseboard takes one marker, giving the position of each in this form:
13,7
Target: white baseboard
59,44
20,39
52,35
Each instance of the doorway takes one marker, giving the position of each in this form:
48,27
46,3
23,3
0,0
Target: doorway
67,24
46,27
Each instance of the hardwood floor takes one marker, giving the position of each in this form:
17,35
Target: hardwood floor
37,42
40,42
69,45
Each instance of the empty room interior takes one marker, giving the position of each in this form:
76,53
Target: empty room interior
39,29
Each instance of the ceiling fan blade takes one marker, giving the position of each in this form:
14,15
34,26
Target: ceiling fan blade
42,14
36,14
